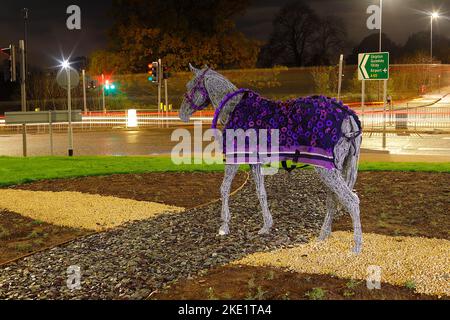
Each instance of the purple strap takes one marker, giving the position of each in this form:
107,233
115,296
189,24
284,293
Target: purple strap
222,104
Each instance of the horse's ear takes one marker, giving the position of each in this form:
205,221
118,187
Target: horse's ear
193,69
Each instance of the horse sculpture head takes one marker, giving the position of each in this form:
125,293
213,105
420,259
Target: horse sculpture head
196,97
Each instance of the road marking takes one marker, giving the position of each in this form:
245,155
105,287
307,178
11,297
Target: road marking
434,149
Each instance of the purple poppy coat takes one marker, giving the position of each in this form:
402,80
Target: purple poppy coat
309,128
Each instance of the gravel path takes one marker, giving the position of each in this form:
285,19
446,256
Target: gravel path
134,260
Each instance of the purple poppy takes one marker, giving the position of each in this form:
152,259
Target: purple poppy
320,124
329,123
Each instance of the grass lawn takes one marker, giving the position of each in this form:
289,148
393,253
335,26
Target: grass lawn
22,170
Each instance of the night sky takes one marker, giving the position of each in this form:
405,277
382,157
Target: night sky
49,37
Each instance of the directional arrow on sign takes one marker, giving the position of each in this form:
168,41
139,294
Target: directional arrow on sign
373,66
362,66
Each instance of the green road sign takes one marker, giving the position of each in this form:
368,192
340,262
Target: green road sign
373,66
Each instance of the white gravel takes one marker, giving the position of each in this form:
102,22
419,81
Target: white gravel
80,210
422,261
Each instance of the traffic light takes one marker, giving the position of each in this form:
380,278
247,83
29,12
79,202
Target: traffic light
92,85
110,87
166,73
12,63
153,72
10,72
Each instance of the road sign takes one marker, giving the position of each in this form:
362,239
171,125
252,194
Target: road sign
41,117
61,78
373,66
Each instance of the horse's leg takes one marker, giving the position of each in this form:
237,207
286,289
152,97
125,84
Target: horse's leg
230,173
348,162
349,200
262,195
331,211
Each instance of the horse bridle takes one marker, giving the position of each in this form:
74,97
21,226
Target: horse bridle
199,87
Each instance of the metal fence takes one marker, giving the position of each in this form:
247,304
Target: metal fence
411,119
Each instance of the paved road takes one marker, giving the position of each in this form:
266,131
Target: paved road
158,142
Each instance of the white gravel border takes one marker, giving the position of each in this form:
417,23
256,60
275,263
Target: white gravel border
420,261
80,210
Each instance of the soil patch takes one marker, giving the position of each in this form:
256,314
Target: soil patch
20,235
266,283
402,204
185,190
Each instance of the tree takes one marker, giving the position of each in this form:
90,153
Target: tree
207,17
330,39
301,38
180,32
371,43
106,62
294,32
420,43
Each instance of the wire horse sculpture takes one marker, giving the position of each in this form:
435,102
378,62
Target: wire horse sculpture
315,130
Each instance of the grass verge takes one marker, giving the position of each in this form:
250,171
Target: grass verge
15,171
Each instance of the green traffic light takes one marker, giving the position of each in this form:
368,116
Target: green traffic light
150,78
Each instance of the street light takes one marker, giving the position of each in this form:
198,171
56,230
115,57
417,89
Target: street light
66,66
381,22
433,16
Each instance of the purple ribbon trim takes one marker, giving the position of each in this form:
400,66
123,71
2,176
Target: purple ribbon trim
224,101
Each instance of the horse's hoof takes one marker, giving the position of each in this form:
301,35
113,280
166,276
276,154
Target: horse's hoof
324,236
357,249
264,231
224,231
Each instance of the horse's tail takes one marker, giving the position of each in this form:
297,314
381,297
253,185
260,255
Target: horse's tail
351,162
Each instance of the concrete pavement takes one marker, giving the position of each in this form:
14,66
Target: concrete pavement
153,142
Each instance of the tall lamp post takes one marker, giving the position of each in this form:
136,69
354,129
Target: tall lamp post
66,66
433,16
25,12
381,22
380,44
